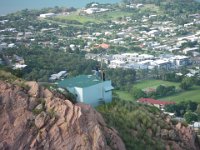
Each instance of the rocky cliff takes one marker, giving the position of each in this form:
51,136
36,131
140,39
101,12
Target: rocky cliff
144,127
35,118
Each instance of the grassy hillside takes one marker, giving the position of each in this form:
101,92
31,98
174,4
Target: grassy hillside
193,94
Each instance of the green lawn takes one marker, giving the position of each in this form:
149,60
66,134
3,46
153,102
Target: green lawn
76,17
95,18
144,85
154,83
124,95
114,15
193,94
152,8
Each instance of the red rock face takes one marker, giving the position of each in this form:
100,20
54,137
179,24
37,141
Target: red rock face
188,137
37,119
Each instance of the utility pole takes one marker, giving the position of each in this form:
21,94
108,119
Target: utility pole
102,94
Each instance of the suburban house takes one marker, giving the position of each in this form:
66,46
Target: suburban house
58,75
93,10
116,63
47,15
104,46
89,89
180,60
18,62
157,103
189,50
142,61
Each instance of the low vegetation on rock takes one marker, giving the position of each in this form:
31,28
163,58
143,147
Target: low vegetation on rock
146,127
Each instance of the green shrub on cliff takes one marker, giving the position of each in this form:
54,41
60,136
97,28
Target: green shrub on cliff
137,124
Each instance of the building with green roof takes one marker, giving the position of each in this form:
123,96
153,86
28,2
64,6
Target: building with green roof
88,89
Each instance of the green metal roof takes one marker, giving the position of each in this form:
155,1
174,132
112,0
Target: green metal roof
80,81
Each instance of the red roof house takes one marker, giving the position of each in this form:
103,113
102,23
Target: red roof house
103,45
157,103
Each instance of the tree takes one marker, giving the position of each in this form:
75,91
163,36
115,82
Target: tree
190,116
182,107
172,77
121,77
160,90
138,93
171,108
178,109
186,83
192,106
198,109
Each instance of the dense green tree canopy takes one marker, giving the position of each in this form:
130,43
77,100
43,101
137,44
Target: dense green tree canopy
186,83
190,117
181,108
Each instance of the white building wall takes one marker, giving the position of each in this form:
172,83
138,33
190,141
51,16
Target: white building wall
79,94
71,90
108,96
93,94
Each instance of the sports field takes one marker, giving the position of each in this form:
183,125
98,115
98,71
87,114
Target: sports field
94,18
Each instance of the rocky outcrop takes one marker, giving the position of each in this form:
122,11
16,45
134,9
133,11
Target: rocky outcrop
179,137
35,118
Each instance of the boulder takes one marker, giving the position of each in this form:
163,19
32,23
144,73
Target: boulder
164,134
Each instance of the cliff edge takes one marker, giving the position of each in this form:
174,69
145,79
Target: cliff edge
35,118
